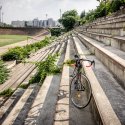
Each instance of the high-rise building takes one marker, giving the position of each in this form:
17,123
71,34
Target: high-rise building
36,22
50,22
45,23
41,23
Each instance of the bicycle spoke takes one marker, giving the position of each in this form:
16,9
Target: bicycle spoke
80,92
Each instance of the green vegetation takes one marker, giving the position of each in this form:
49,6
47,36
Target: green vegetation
20,53
9,39
24,86
69,62
106,7
45,68
7,92
82,14
69,19
56,31
4,72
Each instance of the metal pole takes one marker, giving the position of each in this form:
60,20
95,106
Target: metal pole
0,13
60,13
2,16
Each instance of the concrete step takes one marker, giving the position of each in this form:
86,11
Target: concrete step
113,21
114,92
114,60
15,85
10,64
117,42
19,67
10,103
8,84
25,78
103,115
108,31
45,99
26,70
18,113
62,106
117,22
79,116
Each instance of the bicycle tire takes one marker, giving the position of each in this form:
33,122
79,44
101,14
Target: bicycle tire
85,96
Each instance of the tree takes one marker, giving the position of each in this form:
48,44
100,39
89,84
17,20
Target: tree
69,19
82,14
56,31
115,5
70,13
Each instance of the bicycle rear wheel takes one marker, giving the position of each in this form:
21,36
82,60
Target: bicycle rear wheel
80,91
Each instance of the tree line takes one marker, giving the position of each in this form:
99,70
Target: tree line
70,19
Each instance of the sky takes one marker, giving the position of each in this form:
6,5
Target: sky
30,9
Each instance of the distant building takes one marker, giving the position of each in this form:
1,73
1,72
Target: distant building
36,22
40,23
50,22
1,24
29,23
18,23
45,23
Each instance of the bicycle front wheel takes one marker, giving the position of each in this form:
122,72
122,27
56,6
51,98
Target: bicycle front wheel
80,91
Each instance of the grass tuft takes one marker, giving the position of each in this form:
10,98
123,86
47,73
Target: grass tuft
7,92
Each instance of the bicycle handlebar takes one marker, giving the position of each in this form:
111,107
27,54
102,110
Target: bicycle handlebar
92,62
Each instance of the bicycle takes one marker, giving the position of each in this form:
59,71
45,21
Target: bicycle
80,87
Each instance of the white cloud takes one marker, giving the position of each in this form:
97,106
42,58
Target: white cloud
30,9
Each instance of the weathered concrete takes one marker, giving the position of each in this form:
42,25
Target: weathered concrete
18,107
119,19
108,31
9,104
26,69
114,63
21,31
79,116
45,99
111,87
107,114
19,76
117,42
62,107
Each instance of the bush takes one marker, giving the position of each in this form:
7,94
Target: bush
24,86
104,9
17,53
69,62
4,72
56,32
45,68
116,4
7,92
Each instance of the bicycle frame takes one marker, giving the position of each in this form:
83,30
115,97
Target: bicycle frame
80,85
78,67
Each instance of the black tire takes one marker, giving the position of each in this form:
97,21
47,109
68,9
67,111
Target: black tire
79,97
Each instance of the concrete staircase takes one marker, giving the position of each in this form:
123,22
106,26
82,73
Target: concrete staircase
105,40
50,104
